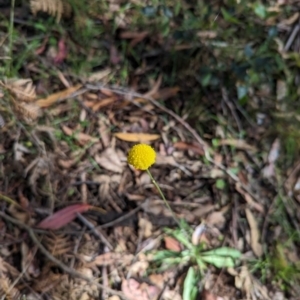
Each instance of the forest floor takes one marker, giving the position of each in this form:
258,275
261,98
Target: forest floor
212,86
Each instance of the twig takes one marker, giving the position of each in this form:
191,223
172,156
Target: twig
230,106
121,219
291,38
97,231
61,265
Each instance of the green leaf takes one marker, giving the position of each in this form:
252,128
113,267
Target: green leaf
190,289
163,254
180,236
260,10
229,18
219,261
215,142
205,80
220,184
224,251
242,91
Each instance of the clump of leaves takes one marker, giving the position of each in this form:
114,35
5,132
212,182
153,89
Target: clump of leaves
196,256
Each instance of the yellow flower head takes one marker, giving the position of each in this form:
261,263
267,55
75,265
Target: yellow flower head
141,156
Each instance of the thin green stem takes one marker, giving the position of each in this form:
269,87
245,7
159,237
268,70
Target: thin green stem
163,197
10,201
10,38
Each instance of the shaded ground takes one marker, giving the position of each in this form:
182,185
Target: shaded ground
212,87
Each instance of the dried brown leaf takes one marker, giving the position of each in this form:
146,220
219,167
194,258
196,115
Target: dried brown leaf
136,137
19,151
189,146
139,268
249,199
216,218
171,295
39,167
104,102
166,93
81,137
59,96
245,281
115,297
110,160
145,228
48,281
28,263
172,244
100,75
19,214
239,144
255,234
133,34
291,20
110,258
207,295
207,34
134,290
274,152
155,87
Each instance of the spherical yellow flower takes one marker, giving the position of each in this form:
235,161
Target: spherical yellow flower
141,156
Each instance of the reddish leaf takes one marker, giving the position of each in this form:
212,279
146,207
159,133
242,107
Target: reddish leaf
63,216
62,52
172,244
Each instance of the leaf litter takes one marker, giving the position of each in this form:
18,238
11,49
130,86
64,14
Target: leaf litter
70,155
